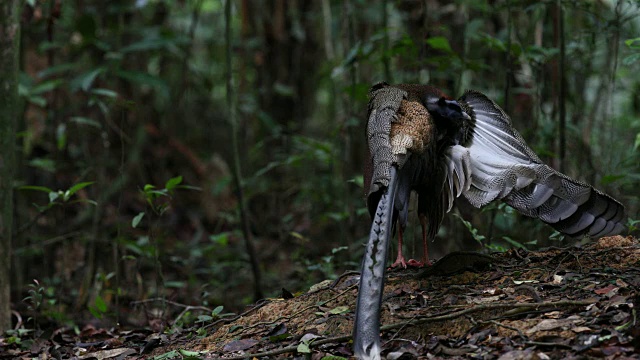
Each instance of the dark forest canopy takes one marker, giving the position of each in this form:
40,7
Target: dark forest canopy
135,117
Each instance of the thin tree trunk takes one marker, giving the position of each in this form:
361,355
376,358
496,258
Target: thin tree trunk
237,172
9,37
562,101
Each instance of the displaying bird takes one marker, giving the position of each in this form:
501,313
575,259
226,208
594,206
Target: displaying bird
420,140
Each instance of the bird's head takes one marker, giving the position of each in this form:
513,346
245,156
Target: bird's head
444,110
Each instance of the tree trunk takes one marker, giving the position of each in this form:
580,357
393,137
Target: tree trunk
9,36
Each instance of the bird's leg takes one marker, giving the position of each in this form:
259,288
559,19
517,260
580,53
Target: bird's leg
425,254
400,261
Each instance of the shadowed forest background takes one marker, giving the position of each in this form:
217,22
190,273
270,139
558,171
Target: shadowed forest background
139,118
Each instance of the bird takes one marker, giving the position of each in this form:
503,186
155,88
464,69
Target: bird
420,140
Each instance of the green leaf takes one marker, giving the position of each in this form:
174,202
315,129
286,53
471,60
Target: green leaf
235,328
632,321
358,180
105,92
43,164
79,186
283,90
173,182
61,136
303,348
338,249
339,310
45,86
156,193
136,220
96,314
100,304
189,187
168,355
633,43
57,69
81,120
53,196
38,100
217,310
630,59
85,80
513,243
439,43
221,239
191,354
174,284
148,187
36,188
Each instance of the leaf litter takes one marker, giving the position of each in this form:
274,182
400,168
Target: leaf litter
556,303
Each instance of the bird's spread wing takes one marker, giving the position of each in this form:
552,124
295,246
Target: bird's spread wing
497,164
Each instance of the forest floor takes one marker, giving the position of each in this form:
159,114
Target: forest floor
556,303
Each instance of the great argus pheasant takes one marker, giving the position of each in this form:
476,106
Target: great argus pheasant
420,140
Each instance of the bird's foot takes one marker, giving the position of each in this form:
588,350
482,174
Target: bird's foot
400,261
418,264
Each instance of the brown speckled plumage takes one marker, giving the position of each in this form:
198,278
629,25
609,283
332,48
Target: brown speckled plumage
413,124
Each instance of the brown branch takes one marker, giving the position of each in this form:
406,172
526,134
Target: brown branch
562,89
202,308
563,303
497,323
